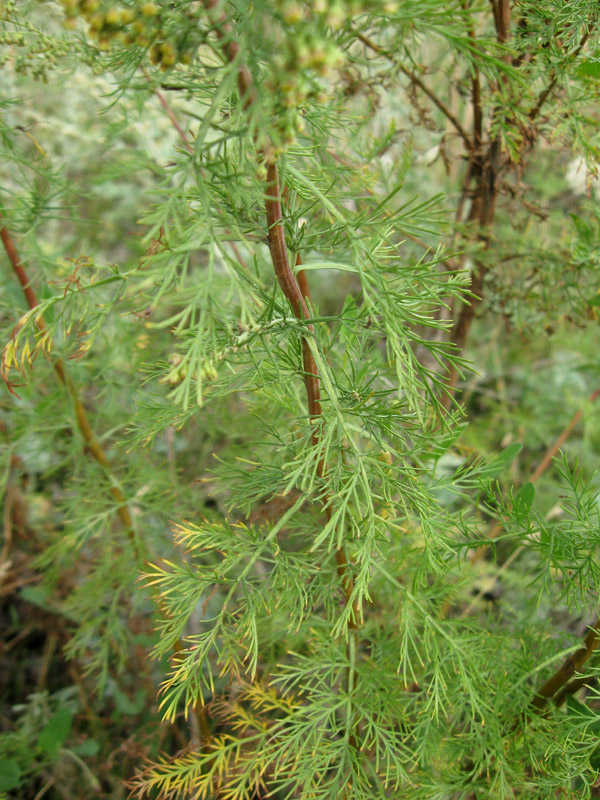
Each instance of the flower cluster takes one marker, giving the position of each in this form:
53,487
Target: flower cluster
141,24
31,51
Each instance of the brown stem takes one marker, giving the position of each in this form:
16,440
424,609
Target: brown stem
502,20
174,121
18,268
571,687
92,443
568,668
285,277
422,86
291,289
225,33
83,423
302,280
485,169
297,298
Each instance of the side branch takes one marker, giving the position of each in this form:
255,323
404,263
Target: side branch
567,669
544,94
546,461
422,86
83,423
291,289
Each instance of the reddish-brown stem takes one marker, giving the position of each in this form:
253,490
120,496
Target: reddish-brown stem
485,169
422,86
225,33
302,280
174,121
92,443
18,268
553,450
83,423
288,282
570,688
291,289
502,20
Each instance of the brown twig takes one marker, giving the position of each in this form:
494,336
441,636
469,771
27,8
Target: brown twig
92,443
484,168
422,86
174,121
567,669
298,299
288,282
495,530
302,280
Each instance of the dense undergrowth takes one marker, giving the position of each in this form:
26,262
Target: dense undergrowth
299,431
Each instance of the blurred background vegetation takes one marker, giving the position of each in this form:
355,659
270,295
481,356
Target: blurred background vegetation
89,155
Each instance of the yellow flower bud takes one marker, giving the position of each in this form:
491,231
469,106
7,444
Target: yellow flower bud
89,6
112,16
149,9
168,54
292,12
96,22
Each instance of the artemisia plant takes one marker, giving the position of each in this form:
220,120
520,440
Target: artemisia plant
327,197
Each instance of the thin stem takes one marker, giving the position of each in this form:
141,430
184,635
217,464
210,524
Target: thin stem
545,93
83,423
298,299
422,86
567,669
485,169
571,687
174,121
302,280
502,20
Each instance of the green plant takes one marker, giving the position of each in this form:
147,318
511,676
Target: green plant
275,360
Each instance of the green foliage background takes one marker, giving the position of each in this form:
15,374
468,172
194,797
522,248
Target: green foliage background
212,646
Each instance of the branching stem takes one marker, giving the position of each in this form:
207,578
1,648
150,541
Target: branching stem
422,86
83,423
